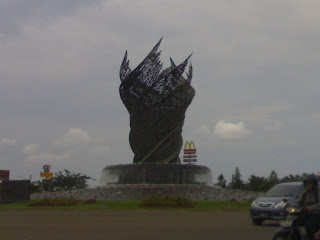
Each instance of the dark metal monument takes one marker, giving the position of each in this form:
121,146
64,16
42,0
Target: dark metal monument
156,100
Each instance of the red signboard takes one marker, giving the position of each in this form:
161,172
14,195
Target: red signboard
4,174
189,151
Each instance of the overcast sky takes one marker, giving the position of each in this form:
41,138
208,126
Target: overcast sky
256,75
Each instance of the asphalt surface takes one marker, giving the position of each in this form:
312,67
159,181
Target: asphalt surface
136,224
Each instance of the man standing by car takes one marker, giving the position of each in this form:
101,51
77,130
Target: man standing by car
310,202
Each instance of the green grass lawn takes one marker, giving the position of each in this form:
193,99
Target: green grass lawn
132,205
222,205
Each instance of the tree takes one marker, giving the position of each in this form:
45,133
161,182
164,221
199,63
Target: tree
221,181
236,181
291,178
271,180
63,181
255,183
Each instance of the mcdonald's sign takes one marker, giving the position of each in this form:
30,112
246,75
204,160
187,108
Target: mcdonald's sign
189,152
189,148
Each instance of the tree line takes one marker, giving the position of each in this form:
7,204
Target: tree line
68,181
256,183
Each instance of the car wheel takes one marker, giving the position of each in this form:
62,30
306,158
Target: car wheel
257,221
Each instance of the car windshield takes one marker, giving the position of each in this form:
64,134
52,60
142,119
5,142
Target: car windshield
282,191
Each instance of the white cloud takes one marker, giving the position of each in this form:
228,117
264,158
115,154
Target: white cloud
30,148
74,137
227,130
47,158
8,142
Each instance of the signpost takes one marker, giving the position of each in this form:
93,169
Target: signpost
189,152
46,172
4,174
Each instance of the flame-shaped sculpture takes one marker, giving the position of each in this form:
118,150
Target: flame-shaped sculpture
156,101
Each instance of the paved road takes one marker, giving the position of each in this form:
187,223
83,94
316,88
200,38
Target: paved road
118,225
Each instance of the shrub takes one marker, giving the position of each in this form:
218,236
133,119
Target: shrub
167,202
62,181
34,188
89,201
53,202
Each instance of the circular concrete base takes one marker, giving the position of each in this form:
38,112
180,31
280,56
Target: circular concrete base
156,174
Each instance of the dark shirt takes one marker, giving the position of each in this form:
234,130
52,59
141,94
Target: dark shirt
308,199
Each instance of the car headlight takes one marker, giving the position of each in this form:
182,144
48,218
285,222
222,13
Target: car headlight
254,204
281,204
291,210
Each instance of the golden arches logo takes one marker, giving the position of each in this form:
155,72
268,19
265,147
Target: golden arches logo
189,148
190,145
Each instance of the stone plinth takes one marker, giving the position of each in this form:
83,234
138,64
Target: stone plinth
156,174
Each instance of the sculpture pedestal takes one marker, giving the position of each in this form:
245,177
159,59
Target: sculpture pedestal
156,174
